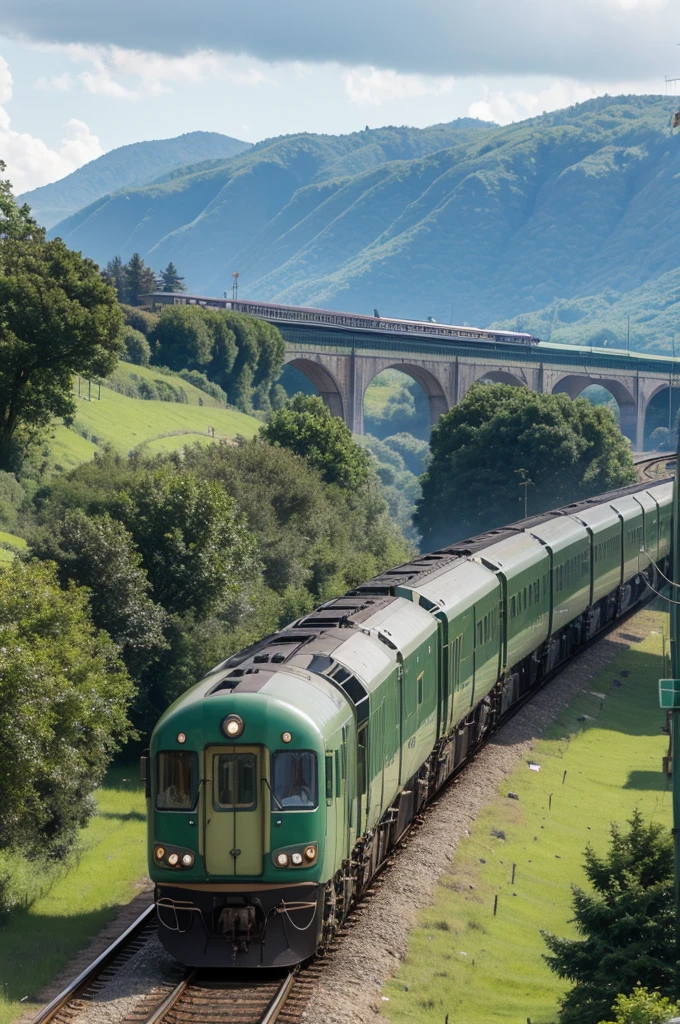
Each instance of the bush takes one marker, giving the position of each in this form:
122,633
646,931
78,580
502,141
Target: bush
643,1007
200,381
12,496
140,319
137,348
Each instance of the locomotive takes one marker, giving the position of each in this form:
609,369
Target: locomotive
279,784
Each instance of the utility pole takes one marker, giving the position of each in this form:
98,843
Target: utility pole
525,482
669,694
234,287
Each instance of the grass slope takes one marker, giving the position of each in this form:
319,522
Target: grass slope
38,943
132,423
477,968
9,545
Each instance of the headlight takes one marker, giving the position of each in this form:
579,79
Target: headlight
310,852
286,737
173,860
159,852
282,860
232,726
187,860
296,858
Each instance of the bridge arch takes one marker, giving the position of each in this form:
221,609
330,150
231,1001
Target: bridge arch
431,386
575,384
501,377
661,409
324,382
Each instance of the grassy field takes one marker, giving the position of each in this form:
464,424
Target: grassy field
152,374
479,968
132,423
9,545
388,384
38,943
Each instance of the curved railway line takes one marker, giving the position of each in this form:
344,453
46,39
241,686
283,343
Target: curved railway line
653,467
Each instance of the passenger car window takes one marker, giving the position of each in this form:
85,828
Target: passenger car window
294,780
176,780
235,781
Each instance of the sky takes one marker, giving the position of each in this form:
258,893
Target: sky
81,77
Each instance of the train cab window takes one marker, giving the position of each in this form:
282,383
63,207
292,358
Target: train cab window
420,687
294,780
329,776
176,780
235,781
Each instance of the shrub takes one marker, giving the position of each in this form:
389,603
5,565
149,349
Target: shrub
137,348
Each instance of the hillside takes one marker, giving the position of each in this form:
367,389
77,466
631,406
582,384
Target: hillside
128,424
127,166
481,220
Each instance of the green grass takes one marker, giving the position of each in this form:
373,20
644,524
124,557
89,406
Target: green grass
9,545
35,945
193,394
477,968
388,384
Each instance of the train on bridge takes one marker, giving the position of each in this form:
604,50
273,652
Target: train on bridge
278,314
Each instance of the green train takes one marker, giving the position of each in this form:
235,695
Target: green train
278,785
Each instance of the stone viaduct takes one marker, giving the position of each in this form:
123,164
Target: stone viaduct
341,370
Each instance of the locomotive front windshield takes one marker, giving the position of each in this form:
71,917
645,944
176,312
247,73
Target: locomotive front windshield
176,780
294,780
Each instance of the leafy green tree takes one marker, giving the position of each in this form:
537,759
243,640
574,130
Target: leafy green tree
626,924
115,274
170,279
182,338
643,1007
499,435
139,279
99,553
64,695
223,352
194,543
57,317
306,426
137,348
140,319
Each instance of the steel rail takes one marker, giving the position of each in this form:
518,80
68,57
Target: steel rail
50,1011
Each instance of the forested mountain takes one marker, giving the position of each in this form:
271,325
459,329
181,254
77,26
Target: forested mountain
132,165
468,218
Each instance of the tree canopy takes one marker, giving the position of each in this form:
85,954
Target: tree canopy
64,694
499,436
57,317
305,426
626,924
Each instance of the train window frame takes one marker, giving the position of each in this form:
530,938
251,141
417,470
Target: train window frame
238,756
329,776
420,684
276,800
185,755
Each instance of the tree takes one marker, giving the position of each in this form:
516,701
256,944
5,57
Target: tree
57,317
643,1007
64,695
170,279
115,274
500,434
97,552
183,339
627,924
139,279
137,348
306,426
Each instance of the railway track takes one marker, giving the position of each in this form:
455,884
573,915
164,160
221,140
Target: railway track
649,469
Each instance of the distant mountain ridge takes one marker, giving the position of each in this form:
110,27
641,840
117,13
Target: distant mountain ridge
466,220
127,166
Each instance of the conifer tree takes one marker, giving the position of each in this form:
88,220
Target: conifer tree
170,279
140,279
115,273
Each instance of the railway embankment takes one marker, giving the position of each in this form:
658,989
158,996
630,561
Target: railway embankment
429,944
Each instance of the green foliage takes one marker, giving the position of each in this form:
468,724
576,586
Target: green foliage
140,319
12,497
239,353
171,280
99,553
137,348
643,1007
64,695
139,280
57,318
400,485
626,924
394,402
414,451
200,381
498,436
306,426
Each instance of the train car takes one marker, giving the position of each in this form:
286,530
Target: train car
279,784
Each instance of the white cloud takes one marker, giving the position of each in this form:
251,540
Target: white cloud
125,74
62,83
515,105
30,162
369,86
